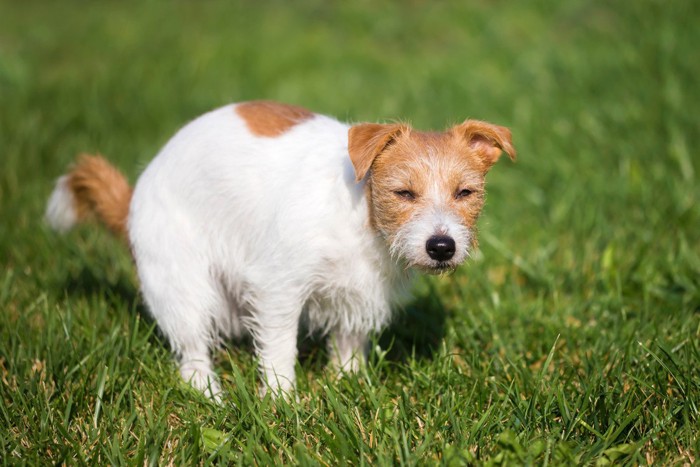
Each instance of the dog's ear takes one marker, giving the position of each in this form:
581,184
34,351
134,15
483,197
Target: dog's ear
487,139
367,140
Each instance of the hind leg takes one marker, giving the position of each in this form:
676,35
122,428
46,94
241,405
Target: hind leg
188,306
196,369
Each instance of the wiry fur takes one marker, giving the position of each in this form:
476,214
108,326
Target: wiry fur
61,211
93,186
236,229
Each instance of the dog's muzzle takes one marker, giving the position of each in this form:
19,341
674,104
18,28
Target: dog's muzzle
440,247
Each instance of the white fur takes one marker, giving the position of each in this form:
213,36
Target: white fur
234,233
60,211
409,242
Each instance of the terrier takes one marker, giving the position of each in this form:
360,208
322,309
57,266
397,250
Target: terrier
260,215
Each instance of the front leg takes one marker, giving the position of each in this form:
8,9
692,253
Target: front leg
348,351
276,344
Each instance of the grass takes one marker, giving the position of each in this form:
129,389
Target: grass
573,337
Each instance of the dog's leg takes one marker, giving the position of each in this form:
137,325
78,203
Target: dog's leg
185,301
276,344
348,351
196,369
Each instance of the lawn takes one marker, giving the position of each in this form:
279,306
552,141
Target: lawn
573,337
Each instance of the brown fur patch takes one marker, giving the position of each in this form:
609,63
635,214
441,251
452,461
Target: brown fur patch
413,172
434,168
487,139
367,140
270,119
100,189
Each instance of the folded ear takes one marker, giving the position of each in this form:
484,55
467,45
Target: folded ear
367,140
487,139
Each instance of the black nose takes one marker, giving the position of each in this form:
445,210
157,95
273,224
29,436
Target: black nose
440,247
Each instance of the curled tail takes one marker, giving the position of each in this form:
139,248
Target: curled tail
92,187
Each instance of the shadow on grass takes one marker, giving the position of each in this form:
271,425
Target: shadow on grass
416,331
88,282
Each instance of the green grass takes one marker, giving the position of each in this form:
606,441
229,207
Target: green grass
573,337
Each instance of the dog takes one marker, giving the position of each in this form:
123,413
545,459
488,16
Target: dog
258,216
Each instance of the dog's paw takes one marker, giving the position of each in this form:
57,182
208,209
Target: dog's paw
205,381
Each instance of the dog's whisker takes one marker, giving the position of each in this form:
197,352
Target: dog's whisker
219,254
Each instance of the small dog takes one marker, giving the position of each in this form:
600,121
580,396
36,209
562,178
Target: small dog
260,215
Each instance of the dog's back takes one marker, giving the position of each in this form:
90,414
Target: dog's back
257,213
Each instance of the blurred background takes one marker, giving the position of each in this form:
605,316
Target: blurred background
592,90
601,97
591,240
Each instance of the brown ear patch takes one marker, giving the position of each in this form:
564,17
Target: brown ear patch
367,140
487,139
270,119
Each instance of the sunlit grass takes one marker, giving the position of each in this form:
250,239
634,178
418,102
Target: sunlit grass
572,337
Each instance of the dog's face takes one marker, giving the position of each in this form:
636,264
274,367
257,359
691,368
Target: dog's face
426,190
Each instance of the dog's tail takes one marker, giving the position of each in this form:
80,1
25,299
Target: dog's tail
93,187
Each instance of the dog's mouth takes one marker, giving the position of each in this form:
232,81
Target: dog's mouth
435,254
437,267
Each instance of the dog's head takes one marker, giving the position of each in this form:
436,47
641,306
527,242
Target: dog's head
426,190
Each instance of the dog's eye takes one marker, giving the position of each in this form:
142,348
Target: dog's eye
405,194
463,193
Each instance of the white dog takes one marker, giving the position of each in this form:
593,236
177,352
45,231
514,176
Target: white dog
258,215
